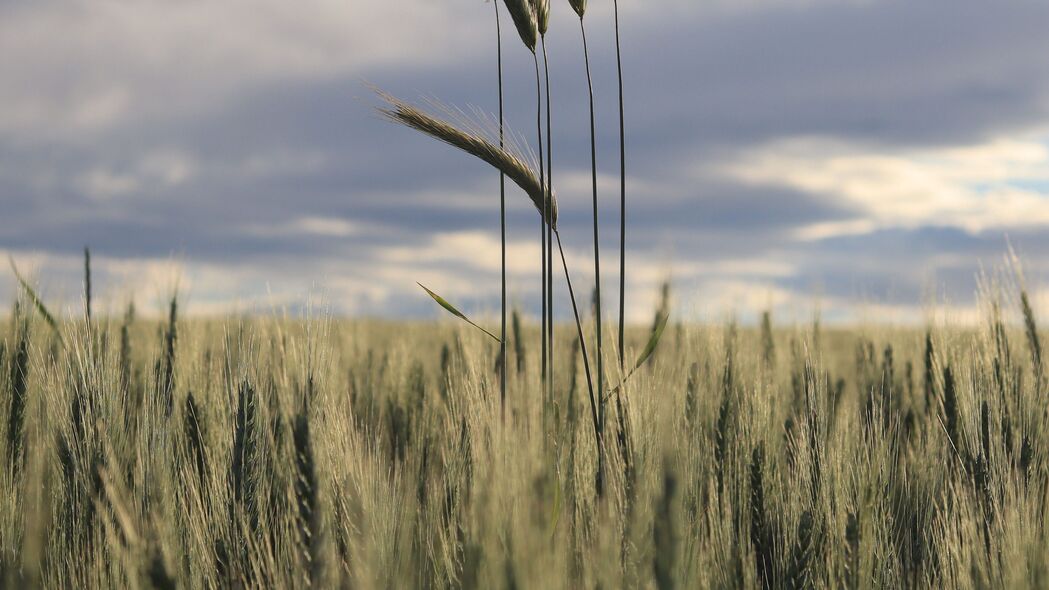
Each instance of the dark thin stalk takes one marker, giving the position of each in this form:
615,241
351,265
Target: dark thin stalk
586,367
170,340
19,380
87,283
195,440
549,230
502,221
623,436
308,520
622,194
545,352
597,237
542,218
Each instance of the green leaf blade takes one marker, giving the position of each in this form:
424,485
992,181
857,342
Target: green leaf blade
653,341
33,297
454,311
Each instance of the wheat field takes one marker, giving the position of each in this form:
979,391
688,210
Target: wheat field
274,452
315,451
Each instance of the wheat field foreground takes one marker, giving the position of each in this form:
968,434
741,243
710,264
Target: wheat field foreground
285,454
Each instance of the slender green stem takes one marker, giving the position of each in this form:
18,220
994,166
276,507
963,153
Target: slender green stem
502,222
87,283
582,345
542,272
623,436
597,256
542,218
549,230
597,232
622,194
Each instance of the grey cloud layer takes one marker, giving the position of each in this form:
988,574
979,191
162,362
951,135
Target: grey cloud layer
222,176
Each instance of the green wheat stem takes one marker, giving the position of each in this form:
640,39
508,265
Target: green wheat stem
549,232
623,436
597,236
582,345
542,218
502,218
622,193
35,299
87,283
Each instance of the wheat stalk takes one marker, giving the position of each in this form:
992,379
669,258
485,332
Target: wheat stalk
760,527
580,8
622,192
473,140
586,363
524,17
543,16
19,379
35,299
308,516
194,432
1030,325
502,218
242,475
519,349
541,9
532,18
665,535
87,283
167,385
544,350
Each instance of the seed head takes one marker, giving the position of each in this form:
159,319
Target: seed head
579,6
542,14
523,14
475,138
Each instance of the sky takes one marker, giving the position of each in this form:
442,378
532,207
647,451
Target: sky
866,160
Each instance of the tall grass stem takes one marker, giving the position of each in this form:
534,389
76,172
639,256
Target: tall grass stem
549,232
502,218
597,235
622,192
586,367
87,283
542,218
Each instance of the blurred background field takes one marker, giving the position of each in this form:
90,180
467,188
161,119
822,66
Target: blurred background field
276,452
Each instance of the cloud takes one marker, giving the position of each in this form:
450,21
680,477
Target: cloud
73,67
998,185
779,150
